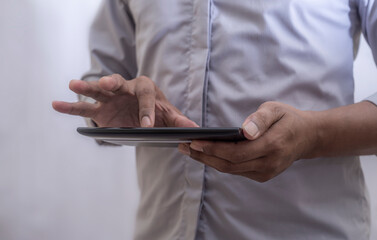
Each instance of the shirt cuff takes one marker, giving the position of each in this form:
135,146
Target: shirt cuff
372,99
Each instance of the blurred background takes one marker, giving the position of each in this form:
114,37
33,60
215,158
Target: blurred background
54,183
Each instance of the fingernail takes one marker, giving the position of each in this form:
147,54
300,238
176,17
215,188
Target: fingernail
146,122
196,147
252,129
184,149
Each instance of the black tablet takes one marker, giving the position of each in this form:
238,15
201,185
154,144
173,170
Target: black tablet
161,137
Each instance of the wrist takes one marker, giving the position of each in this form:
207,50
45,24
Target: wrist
316,133
344,131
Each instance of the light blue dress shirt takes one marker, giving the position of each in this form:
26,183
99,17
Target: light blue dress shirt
217,61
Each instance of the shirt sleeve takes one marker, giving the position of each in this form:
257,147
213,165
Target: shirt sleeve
111,45
112,42
368,16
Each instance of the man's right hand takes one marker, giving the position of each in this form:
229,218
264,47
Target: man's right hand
122,103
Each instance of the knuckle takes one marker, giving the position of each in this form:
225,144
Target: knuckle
277,110
267,105
275,144
71,110
118,78
272,107
261,179
233,169
262,117
194,155
146,91
238,157
225,168
270,176
116,75
265,167
145,111
207,150
82,113
144,78
264,178
115,86
96,112
271,168
274,165
267,177
96,94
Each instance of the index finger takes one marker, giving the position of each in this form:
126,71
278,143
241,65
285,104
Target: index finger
90,89
117,84
142,87
146,95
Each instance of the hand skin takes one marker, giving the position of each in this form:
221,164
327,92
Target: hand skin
279,134
121,103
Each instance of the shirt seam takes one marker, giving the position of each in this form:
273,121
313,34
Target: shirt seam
186,95
205,113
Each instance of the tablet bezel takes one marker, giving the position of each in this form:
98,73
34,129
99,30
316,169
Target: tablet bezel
161,137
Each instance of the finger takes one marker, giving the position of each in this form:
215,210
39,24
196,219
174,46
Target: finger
259,122
211,161
172,117
117,84
142,87
235,152
184,148
257,176
222,165
146,96
90,89
225,166
183,121
261,165
82,109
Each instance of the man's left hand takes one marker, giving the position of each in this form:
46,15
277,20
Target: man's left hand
277,134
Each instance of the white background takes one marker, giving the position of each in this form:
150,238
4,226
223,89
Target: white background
55,184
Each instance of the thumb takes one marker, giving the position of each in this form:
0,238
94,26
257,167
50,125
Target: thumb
259,122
